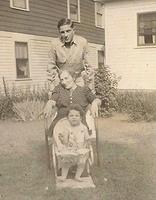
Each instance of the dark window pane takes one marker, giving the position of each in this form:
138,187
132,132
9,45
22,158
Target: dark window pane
99,19
22,68
20,4
148,39
74,10
147,27
21,50
74,2
100,58
22,61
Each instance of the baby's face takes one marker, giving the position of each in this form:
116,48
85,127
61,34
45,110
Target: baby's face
74,117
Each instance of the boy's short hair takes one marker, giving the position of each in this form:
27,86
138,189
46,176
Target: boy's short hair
65,21
76,107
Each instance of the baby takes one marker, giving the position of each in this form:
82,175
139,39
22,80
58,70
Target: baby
71,138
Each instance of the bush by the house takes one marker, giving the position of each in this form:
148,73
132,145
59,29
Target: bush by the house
26,104
36,93
28,110
106,89
140,105
5,107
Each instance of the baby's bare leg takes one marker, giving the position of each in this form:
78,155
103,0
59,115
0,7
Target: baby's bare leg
80,168
65,169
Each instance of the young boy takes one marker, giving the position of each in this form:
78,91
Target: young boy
71,138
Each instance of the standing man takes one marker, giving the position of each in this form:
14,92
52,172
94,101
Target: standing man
69,52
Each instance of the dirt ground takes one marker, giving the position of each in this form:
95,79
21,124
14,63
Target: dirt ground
127,163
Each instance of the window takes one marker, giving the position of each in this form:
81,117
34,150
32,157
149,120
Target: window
99,14
147,28
22,60
20,4
74,10
100,58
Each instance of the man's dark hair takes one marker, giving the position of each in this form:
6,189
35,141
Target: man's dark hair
65,21
76,107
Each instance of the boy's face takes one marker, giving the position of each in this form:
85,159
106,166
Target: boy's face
66,33
74,117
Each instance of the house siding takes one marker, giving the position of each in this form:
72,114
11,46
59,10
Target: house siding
43,16
135,65
6,57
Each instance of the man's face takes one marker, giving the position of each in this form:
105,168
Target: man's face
74,117
66,80
66,33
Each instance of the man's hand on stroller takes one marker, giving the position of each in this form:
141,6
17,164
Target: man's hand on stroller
95,107
49,108
51,74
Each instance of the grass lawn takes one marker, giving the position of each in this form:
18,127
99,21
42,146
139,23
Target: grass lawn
127,170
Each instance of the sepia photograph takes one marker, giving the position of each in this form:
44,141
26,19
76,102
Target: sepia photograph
77,99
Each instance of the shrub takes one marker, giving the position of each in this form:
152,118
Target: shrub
140,105
5,107
37,93
23,104
106,89
28,110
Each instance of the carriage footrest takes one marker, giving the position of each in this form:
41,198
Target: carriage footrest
86,182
